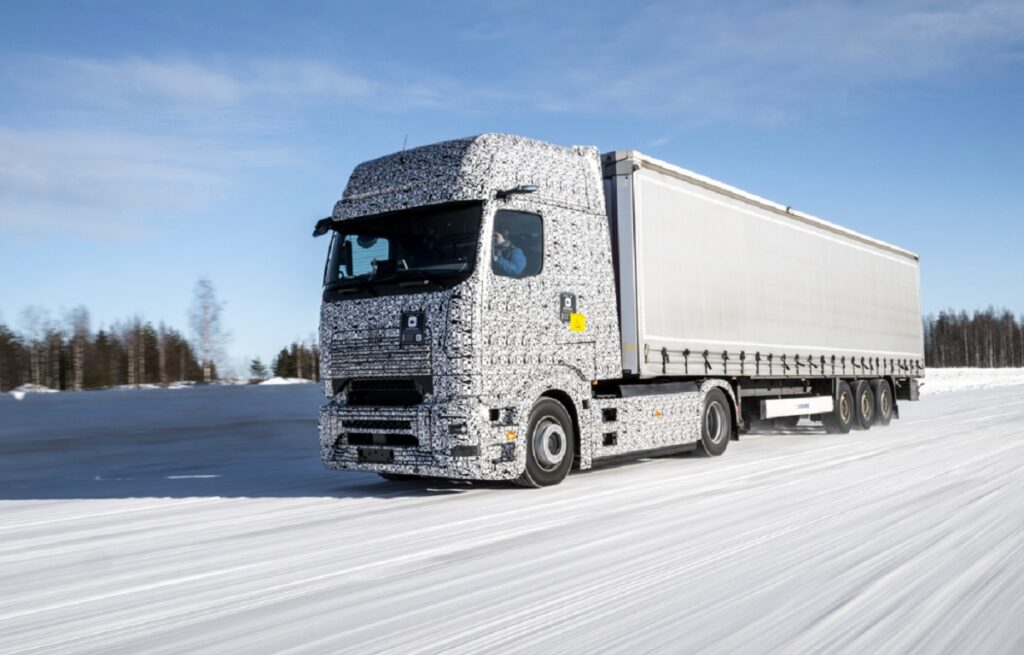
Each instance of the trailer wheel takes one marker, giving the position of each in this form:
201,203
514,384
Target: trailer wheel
840,419
863,405
715,423
883,401
549,444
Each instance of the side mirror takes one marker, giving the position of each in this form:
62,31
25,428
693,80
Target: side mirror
522,188
323,226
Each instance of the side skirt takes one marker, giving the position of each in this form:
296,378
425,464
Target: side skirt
641,454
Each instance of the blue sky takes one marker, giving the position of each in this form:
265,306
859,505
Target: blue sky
143,145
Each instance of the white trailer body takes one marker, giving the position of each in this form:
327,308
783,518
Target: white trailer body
704,267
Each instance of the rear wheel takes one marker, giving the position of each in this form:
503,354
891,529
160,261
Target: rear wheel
884,407
863,405
550,444
715,423
840,419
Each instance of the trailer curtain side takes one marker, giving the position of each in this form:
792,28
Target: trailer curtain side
714,280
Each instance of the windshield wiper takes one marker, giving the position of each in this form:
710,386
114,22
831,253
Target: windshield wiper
345,286
415,277
422,282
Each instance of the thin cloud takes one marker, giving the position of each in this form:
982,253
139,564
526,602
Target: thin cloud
193,88
138,137
107,185
721,63
134,80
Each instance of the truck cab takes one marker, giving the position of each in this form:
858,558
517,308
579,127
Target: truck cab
466,284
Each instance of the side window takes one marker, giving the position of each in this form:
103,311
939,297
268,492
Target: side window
518,244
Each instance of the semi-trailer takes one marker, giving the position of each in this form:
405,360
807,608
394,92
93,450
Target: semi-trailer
501,308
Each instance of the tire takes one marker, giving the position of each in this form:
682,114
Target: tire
715,423
884,407
550,445
863,405
840,419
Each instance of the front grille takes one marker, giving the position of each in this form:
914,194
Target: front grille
378,350
369,439
376,424
393,392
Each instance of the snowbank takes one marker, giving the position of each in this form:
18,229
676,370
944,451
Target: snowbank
287,381
19,392
943,380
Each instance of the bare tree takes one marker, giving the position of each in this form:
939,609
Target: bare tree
205,318
78,326
161,352
140,350
35,324
314,349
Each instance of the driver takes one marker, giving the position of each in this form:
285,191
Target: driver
508,258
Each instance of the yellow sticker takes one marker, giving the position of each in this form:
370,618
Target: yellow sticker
577,323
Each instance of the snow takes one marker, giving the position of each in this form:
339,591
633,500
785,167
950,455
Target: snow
280,380
943,380
34,388
202,521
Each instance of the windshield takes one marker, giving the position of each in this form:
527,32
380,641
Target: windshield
404,251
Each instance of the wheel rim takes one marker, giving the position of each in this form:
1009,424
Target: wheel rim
886,403
714,426
865,405
549,443
844,408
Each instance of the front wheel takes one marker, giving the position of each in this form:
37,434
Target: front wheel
550,444
715,423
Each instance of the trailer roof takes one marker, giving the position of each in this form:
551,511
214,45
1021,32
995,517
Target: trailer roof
672,170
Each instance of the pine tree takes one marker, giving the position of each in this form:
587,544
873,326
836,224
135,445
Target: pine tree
257,369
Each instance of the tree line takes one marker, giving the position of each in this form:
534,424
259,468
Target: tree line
987,339
299,360
69,355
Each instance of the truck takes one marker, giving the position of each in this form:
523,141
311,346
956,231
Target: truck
502,308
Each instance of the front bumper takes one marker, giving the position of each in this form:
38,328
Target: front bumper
448,440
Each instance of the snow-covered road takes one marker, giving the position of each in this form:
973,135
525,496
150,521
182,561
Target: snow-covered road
200,520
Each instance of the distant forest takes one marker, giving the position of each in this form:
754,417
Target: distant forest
987,339
68,355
